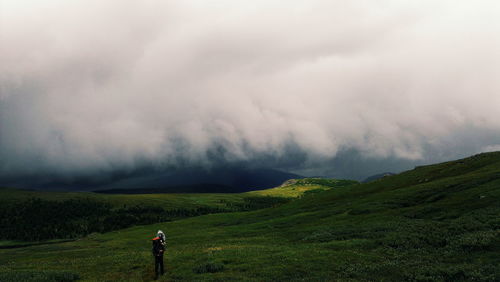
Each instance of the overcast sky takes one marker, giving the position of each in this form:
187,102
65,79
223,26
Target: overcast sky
94,86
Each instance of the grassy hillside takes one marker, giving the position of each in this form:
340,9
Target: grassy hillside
297,187
38,216
293,188
438,222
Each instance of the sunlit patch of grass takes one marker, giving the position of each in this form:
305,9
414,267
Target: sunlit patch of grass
298,187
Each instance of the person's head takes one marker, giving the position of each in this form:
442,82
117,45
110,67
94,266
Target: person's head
161,235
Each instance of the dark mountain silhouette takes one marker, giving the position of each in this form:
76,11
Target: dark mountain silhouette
377,176
178,180
225,180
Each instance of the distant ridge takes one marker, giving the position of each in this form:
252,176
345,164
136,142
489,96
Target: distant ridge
231,180
377,176
177,180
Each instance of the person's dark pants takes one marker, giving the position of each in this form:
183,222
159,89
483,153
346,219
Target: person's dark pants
159,265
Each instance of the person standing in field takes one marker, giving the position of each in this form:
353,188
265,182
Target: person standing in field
158,250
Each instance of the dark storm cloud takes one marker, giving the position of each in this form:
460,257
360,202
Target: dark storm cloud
90,87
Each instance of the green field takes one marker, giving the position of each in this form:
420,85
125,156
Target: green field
177,200
433,223
46,216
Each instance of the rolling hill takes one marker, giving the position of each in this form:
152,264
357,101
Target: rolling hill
434,223
377,176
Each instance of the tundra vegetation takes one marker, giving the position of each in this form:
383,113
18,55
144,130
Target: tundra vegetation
434,223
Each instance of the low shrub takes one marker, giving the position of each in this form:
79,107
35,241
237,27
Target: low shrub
476,241
208,267
42,276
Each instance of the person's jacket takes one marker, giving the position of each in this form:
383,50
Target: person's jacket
158,246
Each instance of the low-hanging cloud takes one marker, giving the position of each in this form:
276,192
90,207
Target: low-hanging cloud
92,86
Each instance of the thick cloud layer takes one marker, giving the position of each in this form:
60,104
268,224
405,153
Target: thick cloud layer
95,86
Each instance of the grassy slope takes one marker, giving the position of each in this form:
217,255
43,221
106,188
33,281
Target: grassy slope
437,222
297,187
176,200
